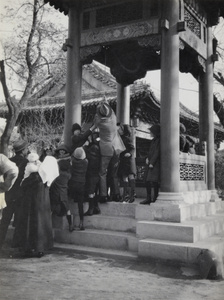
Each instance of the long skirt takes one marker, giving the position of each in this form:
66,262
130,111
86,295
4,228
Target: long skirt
34,227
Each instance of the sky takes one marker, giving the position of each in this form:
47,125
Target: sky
188,86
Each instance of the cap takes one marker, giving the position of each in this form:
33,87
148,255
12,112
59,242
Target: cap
20,145
79,153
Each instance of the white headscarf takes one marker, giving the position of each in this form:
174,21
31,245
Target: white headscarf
33,164
49,170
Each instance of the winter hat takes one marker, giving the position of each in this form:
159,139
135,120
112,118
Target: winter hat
76,126
182,128
20,145
155,129
79,153
104,110
32,157
62,147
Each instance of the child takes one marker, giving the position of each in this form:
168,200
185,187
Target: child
59,188
78,180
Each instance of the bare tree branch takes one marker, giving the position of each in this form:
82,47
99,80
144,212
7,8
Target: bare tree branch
13,108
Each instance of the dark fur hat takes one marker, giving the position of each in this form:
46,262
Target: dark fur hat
76,126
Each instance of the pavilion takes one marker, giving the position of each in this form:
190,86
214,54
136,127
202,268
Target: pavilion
131,37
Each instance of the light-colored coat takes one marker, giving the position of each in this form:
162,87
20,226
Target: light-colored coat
110,140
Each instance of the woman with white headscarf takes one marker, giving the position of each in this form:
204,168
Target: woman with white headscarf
34,231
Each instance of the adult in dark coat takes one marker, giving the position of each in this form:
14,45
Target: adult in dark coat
152,174
15,195
78,138
127,166
34,230
111,145
183,140
78,180
59,187
92,175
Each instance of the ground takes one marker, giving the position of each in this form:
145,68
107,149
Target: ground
62,275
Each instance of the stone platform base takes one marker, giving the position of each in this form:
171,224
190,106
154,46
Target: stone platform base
142,231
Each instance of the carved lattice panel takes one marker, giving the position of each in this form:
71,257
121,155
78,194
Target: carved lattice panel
192,23
192,172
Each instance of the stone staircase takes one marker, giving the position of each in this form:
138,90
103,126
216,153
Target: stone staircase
134,229
114,228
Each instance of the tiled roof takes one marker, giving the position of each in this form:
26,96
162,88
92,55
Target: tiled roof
141,96
56,85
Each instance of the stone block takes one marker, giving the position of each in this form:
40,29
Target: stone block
94,238
167,231
125,224
163,250
144,212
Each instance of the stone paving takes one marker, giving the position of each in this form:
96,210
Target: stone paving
62,275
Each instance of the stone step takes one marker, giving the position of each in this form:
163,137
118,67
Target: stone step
178,213
200,210
188,231
103,222
96,251
105,239
110,208
144,212
187,253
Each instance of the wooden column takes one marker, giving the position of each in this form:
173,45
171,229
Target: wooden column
123,104
73,107
209,117
169,112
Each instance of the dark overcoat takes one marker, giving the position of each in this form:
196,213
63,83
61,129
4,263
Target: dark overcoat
34,230
59,188
153,174
79,140
127,165
16,192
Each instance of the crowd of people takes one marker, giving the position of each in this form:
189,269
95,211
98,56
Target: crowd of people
93,168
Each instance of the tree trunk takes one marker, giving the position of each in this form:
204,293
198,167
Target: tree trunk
13,112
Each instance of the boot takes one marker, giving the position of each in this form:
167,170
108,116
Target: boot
116,198
96,209
155,191
146,201
125,196
104,199
81,225
148,198
89,212
132,197
70,223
